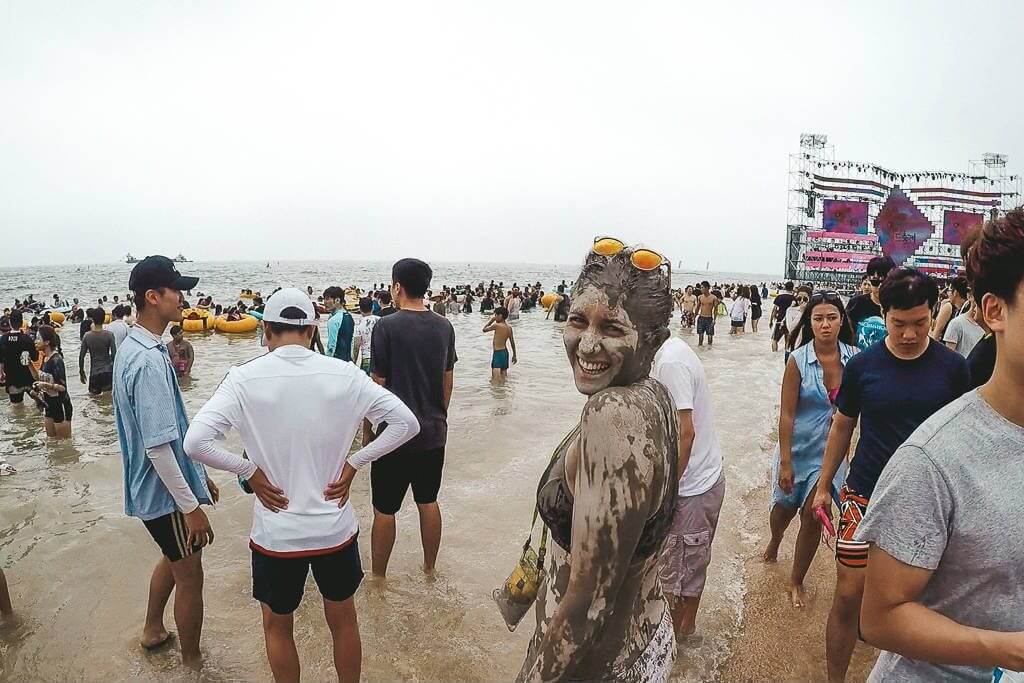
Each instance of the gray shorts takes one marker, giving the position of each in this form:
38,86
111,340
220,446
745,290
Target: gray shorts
706,325
687,551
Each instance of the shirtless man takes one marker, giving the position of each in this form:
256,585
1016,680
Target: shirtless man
708,305
689,307
502,338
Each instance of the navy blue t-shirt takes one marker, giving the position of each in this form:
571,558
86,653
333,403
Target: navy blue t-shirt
893,397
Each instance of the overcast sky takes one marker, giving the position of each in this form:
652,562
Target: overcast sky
472,130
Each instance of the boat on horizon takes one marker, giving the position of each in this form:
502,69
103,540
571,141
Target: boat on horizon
130,259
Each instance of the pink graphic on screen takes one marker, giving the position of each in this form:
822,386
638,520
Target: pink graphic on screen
901,227
956,225
840,215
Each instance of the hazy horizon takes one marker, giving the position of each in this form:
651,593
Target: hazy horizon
472,132
436,262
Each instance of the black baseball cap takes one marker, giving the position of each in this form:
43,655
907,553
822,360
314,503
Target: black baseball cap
154,272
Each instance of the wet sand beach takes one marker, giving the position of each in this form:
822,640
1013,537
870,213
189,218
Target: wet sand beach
777,642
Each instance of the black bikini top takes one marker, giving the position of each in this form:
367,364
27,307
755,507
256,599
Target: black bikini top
555,503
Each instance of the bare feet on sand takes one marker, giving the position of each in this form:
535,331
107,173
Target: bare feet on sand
771,553
195,663
158,638
797,595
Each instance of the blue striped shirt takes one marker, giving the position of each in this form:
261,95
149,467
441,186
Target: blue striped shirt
149,412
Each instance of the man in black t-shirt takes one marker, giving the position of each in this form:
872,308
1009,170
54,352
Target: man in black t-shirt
864,306
386,307
85,325
778,316
17,351
413,356
561,306
982,360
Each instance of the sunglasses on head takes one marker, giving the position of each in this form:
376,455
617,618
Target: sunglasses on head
830,297
874,281
642,259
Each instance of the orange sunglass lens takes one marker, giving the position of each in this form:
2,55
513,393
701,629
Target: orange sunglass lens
608,246
645,259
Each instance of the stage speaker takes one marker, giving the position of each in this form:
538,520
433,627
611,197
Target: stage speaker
810,204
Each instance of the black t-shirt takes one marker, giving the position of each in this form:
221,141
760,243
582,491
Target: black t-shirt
55,368
387,310
412,350
982,360
782,303
893,397
16,350
861,307
562,308
84,327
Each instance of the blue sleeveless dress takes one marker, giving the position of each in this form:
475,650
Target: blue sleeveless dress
811,425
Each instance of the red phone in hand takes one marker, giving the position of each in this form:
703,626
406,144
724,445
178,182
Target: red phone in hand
825,520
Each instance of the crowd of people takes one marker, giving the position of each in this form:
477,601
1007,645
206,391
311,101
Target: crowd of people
923,512
924,569
703,304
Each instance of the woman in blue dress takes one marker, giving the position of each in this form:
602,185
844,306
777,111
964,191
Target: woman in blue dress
813,375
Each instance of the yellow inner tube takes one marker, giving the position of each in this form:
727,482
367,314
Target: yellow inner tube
57,317
548,299
204,324
246,324
245,295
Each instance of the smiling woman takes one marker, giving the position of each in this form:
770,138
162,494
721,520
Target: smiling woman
608,495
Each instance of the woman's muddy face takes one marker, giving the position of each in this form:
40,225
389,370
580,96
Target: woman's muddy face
601,342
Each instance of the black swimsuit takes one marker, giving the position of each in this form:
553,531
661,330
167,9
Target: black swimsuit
555,503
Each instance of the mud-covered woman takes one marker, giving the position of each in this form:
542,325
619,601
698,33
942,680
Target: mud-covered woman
608,494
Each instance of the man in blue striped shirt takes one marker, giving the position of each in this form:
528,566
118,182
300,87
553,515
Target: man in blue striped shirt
162,487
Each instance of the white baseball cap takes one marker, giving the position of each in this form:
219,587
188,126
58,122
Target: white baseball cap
289,298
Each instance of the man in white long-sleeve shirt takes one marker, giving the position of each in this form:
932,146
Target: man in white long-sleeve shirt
297,413
162,487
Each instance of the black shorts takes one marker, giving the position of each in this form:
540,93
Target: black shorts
706,325
278,582
392,475
171,533
779,332
58,408
100,382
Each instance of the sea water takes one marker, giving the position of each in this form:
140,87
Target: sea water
79,568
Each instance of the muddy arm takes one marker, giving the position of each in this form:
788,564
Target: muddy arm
612,491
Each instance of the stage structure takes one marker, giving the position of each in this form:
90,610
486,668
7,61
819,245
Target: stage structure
843,213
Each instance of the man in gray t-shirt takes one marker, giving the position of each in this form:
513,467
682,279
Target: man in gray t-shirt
947,539
962,333
101,347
